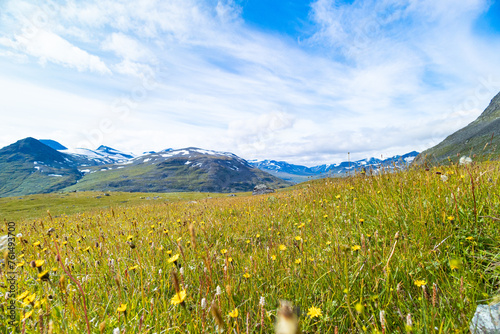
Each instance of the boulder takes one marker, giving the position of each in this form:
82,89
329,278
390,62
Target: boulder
262,189
486,320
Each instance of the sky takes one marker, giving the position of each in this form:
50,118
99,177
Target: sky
307,82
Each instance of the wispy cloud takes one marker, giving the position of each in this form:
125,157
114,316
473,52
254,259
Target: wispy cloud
369,78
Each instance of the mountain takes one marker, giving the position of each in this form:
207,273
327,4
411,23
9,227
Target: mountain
103,155
29,167
480,138
53,144
190,169
297,173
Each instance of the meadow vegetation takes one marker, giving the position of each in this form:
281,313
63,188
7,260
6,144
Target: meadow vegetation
414,251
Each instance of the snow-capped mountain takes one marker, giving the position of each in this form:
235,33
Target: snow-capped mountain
297,173
103,155
190,153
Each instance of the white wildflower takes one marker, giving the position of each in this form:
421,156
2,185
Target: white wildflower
19,235
262,301
465,160
116,330
409,323
159,272
182,271
203,303
444,178
218,291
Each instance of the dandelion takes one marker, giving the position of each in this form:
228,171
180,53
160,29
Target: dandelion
361,220
282,248
173,259
23,295
178,298
234,313
455,264
27,315
29,299
314,312
39,263
420,283
44,275
355,248
248,241
298,261
298,238
122,308
257,236
359,307
223,251
273,257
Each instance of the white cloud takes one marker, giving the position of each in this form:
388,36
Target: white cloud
126,47
376,76
49,47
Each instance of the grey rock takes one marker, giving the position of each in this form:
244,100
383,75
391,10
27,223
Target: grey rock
486,320
262,189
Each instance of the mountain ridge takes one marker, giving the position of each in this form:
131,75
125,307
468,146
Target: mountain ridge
29,166
480,138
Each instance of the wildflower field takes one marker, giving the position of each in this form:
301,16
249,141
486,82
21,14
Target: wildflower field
414,251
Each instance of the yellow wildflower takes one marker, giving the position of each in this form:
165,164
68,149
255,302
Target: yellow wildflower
314,312
122,308
178,298
173,258
355,248
23,295
27,315
234,313
282,248
419,283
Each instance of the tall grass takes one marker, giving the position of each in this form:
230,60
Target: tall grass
414,251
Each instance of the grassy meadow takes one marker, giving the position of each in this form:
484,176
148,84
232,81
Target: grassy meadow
414,251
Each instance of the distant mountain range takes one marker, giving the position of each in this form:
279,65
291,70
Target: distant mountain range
478,140
32,166
297,173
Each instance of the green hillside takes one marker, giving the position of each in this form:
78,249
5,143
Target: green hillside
480,138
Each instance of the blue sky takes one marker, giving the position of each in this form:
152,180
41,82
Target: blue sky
305,82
